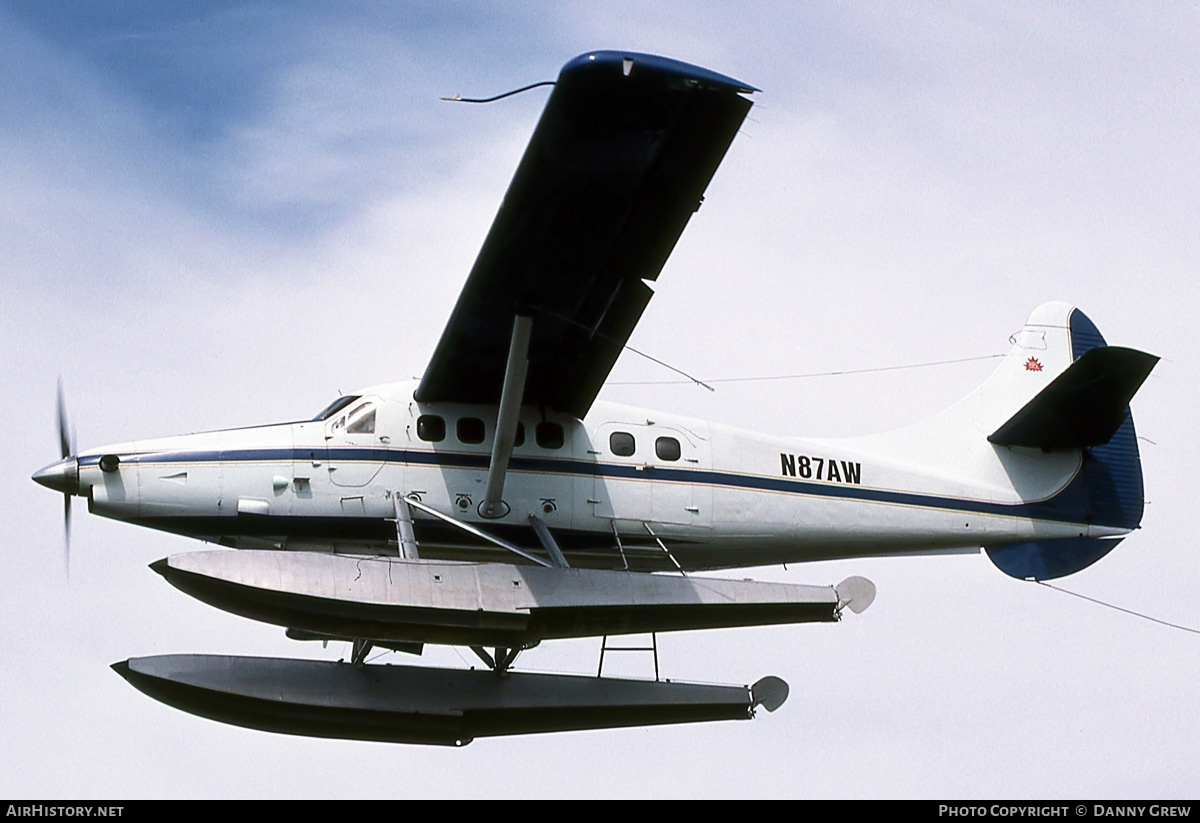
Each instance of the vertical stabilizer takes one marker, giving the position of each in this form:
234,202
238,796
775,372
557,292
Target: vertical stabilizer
1108,490
1042,350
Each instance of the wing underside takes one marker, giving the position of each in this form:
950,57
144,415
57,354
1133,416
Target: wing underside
618,163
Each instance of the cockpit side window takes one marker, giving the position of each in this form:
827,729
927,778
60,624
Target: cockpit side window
362,421
359,420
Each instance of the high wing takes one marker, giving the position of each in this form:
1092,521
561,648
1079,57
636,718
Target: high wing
619,161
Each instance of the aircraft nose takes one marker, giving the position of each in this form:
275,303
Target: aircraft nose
62,476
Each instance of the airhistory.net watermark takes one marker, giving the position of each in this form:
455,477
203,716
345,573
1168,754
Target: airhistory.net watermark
47,810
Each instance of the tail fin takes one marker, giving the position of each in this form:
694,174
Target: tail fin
1079,399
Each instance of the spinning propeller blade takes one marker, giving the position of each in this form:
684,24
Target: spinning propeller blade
67,534
66,437
66,445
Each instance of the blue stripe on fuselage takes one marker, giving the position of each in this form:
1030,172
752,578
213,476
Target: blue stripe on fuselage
1067,506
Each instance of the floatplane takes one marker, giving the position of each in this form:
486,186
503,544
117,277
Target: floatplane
496,503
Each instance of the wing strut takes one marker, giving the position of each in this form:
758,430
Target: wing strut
507,420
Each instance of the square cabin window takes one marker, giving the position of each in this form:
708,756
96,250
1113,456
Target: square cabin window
622,444
470,430
549,435
667,448
431,428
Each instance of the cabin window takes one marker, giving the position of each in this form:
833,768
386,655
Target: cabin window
622,444
519,440
470,430
431,428
362,420
667,448
549,435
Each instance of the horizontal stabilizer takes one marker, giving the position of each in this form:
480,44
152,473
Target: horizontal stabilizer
1083,406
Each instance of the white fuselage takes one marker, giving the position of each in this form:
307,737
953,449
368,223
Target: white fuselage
609,487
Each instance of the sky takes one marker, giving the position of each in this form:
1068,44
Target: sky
223,214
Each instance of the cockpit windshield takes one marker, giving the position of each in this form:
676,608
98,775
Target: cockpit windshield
336,406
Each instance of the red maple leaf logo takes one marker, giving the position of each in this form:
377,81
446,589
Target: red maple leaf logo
1032,364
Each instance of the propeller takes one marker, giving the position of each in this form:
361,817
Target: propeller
66,446
63,475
